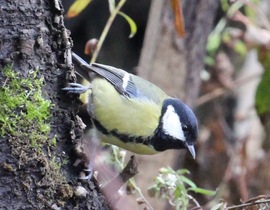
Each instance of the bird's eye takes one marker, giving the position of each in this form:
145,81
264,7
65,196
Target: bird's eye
184,128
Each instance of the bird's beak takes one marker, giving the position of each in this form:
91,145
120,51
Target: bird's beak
191,150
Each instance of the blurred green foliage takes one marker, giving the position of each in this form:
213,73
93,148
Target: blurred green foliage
175,187
263,90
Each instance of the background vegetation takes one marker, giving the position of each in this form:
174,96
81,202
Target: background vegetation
233,101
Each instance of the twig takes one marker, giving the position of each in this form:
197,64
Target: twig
132,181
128,172
198,206
248,204
106,30
110,190
220,91
261,14
141,194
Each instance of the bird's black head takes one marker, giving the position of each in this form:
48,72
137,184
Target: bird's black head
178,127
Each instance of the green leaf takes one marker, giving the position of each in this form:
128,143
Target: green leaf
165,170
182,171
178,192
189,182
208,60
160,180
152,191
203,191
224,5
213,42
132,24
234,8
262,99
240,47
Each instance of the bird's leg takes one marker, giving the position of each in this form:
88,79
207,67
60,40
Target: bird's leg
87,152
76,88
89,164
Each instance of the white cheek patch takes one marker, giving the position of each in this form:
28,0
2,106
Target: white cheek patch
172,125
125,80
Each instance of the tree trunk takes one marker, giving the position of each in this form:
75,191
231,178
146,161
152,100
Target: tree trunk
37,131
175,63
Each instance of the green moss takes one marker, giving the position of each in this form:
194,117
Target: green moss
55,163
53,142
25,122
23,110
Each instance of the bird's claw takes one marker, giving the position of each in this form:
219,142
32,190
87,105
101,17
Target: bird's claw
90,171
76,88
87,177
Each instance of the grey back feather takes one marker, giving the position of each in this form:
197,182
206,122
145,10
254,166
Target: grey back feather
128,85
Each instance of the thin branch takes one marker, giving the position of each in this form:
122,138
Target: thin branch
127,173
198,206
248,204
111,189
220,91
106,30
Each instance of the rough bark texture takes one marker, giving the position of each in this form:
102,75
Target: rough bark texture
33,37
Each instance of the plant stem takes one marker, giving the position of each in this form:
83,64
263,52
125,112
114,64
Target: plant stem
106,30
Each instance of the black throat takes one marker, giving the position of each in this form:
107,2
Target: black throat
162,141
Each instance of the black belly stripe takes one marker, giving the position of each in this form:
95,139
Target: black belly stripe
123,137
100,127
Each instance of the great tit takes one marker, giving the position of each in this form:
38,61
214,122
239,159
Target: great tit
133,113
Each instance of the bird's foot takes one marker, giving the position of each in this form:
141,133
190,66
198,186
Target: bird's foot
76,88
89,170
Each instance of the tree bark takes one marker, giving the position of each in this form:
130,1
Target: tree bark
36,166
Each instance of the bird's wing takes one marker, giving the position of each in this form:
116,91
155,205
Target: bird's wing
120,79
125,83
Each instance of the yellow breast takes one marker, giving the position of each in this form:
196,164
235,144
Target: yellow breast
128,116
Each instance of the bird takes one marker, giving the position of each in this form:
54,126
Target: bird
133,113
